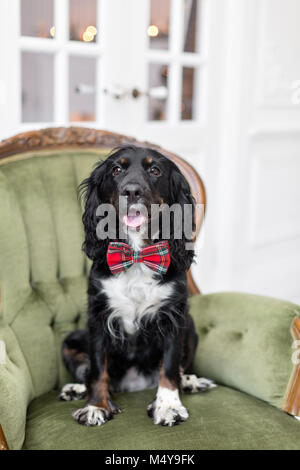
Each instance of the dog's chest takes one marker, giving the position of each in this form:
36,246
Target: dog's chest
134,294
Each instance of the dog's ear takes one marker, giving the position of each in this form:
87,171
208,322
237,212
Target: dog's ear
181,250
90,190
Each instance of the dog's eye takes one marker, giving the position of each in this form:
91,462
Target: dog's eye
116,170
155,171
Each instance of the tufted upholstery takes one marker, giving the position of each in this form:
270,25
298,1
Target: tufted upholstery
245,342
43,274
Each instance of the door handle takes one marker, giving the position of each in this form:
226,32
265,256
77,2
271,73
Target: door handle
157,92
118,92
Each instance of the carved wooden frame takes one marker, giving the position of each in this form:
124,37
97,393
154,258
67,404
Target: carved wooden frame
291,400
3,443
62,138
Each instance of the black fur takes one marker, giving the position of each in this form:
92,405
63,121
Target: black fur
169,340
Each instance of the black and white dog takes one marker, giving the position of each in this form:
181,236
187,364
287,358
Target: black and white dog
139,333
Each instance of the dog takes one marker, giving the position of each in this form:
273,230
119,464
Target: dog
139,333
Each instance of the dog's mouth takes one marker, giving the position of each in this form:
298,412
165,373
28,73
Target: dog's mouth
134,221
137,216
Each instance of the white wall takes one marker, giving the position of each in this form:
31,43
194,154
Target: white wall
252,237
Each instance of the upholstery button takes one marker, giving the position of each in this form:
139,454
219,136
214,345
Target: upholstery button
237,335
204,330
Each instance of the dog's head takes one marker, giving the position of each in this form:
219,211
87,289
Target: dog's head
134,180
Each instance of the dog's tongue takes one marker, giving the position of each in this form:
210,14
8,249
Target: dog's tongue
134,220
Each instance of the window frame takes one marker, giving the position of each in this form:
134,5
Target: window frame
61,47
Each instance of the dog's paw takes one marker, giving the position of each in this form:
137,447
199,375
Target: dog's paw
91,415
71,392
167,408
193,384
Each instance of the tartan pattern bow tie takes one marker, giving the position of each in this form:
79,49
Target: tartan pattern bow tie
120,256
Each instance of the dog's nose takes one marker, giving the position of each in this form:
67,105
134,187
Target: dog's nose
132,191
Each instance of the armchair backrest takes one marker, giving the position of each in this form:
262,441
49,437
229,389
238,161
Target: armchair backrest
43,272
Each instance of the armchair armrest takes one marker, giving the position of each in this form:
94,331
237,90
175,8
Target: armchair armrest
291,401
16,390
245,343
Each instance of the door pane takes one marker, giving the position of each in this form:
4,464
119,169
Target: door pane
187,100
37,18
83,20
190,25
158,92
37,87
82,88
158,29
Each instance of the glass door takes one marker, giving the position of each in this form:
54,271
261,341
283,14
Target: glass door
136,67
157,70
60,50
55,53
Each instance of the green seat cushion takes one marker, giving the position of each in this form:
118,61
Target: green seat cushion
220,419
245,342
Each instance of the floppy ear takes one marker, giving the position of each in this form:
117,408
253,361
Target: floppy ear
89,188
181,254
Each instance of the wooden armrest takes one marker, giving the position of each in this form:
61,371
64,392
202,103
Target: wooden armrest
291,401
3,443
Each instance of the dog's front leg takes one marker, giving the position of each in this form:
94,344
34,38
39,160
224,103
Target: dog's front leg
99,408
167,408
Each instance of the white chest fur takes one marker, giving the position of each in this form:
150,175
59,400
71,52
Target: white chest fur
134,294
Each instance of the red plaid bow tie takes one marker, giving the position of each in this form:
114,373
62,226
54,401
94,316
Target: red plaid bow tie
120,257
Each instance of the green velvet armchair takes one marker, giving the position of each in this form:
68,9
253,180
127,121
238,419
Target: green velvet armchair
244,340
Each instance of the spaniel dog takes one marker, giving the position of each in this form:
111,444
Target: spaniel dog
139,333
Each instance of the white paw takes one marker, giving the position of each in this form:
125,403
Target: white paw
167,408
91,415
73,392
193,384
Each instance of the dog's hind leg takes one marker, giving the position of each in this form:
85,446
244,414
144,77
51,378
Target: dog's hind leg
73,392
190,383
77,362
